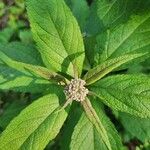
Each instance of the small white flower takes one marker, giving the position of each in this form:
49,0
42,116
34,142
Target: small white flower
76,90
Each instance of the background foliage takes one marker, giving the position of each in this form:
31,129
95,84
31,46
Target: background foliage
95,27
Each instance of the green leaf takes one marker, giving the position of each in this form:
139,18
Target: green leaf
21,76
106,67
28,69
86,136
2,10
109,12
11,111
105,15
11,79
93,117
18,51
72,119
137,127
80,9
114,12
130,37
5,35
35,126
93,24
57,35
135,68
26,36
126,93
90,43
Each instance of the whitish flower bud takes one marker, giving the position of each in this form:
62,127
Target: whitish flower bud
76,90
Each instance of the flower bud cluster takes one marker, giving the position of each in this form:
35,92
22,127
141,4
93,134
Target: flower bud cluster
76,90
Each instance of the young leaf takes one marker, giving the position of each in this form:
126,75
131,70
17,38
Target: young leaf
93,117
11,79
28,69
86,135
126,93
57,35
35,126
130,37
106,67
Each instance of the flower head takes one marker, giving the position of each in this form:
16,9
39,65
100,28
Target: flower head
76,90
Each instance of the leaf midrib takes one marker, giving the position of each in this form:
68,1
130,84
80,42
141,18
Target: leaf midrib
61,38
